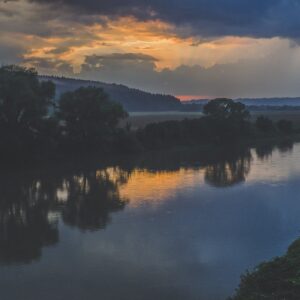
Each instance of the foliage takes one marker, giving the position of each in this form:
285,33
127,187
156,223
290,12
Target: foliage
24,100
225,122
285,126
86,119
223,108
24,103
264,124
88,115
277,279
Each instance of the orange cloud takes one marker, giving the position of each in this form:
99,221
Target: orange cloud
71,42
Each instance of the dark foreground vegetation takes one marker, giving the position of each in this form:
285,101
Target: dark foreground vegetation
274,280
33,125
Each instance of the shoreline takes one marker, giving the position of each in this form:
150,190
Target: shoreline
107,158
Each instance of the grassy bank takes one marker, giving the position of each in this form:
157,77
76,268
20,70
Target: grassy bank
275,280
140,120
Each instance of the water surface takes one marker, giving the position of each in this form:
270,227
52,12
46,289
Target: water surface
166,226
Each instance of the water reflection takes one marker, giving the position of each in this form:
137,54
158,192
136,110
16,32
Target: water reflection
24,224
232,168
286,146
91,198
265,151
33,204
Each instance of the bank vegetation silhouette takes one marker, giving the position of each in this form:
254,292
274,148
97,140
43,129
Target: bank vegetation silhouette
34,125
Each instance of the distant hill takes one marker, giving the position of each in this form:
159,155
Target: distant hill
271,101
257,101
133,100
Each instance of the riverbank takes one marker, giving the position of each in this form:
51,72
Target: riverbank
141,119
276,279
178,155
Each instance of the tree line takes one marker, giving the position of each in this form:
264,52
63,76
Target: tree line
33,124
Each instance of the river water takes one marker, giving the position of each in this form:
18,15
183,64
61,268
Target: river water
166,226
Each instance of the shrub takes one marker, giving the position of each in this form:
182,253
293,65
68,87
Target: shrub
264,124
285,126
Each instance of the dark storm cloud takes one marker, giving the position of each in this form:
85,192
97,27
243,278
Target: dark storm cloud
257,18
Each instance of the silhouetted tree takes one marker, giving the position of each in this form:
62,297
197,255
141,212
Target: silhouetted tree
226,119
223,108
88,116
264,124
285,126
24,104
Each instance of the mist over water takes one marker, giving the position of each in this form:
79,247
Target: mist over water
174,225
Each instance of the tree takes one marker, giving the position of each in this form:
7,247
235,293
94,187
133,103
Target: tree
226,119
88,116
223,108
285,126
264,124
24,105
24,100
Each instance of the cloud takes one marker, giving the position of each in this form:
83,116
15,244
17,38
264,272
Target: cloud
120,57
275,75
10,54
207,18
49,66
204,47
117,64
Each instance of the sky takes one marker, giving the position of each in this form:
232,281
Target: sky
190,48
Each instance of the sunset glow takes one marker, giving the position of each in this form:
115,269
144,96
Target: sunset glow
192,97
144,187
175,54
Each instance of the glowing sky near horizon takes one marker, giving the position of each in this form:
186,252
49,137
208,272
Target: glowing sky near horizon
233,48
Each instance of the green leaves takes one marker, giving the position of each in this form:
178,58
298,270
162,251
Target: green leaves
277,279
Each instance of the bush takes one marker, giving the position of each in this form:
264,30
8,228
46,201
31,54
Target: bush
285,126
264,124
277,279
